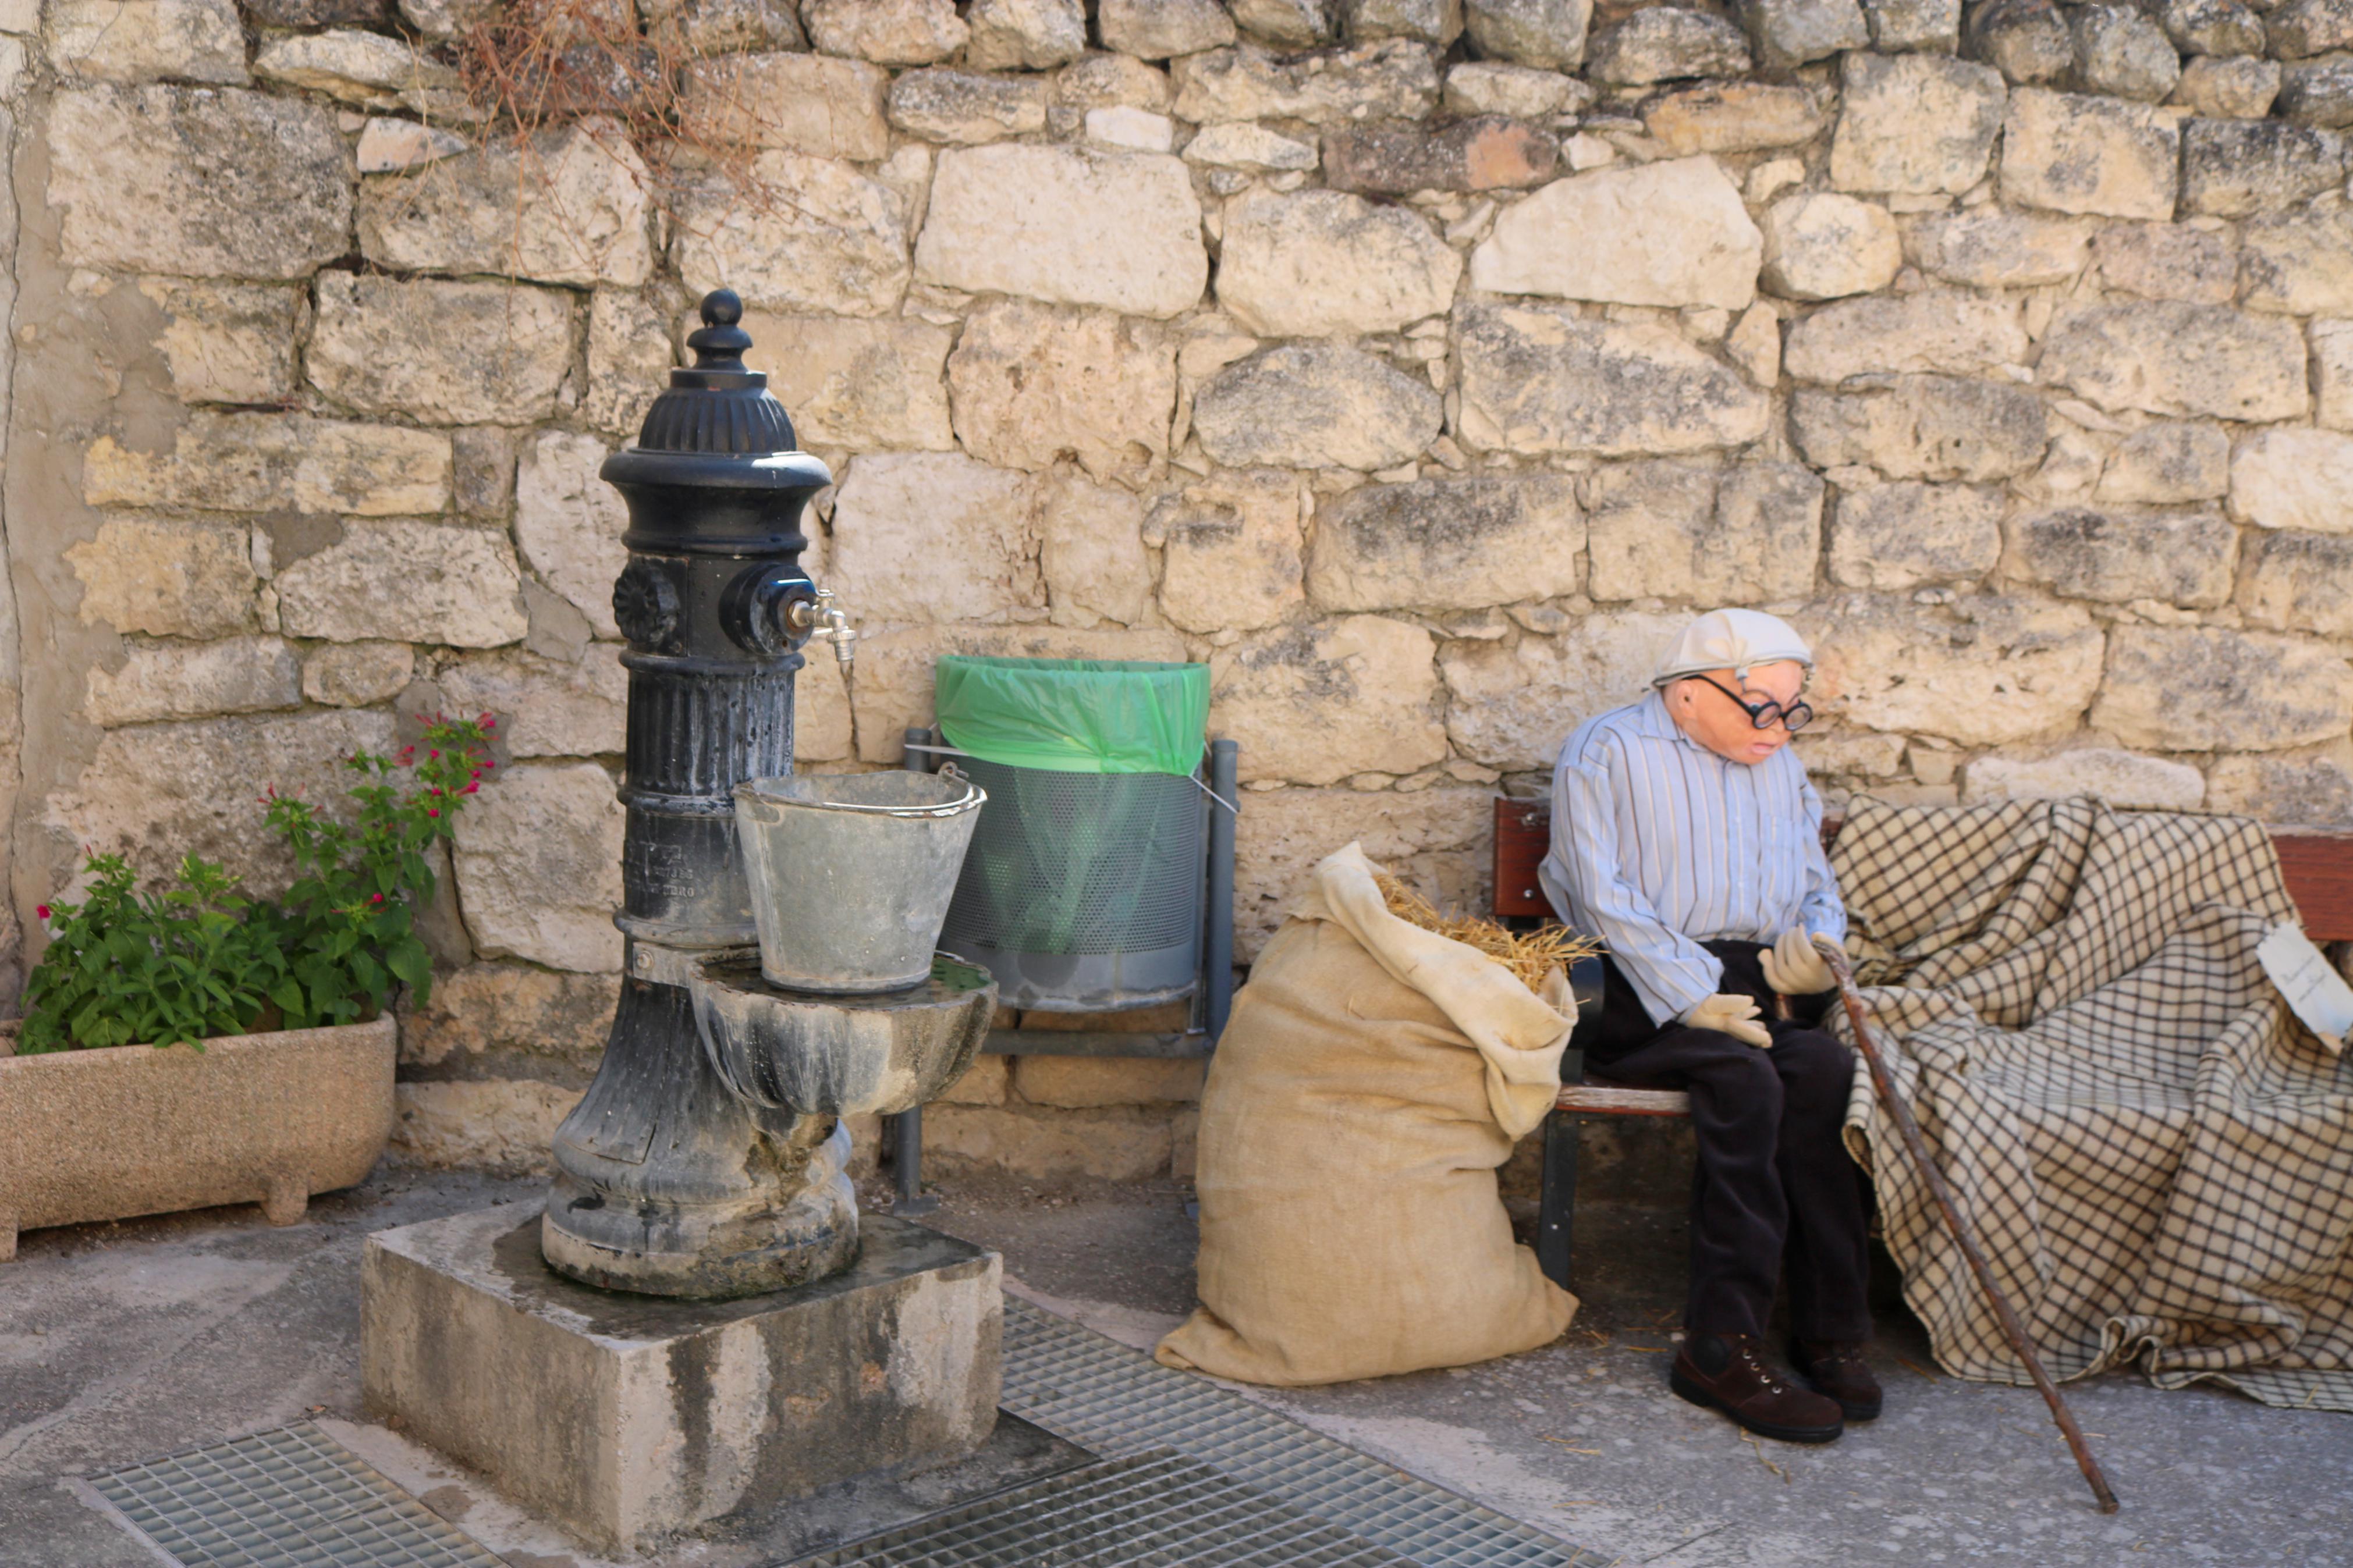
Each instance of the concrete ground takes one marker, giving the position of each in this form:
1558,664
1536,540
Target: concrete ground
121,1342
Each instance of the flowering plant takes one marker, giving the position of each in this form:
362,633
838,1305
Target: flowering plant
125,967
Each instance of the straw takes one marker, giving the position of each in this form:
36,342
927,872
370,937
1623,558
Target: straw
1530,955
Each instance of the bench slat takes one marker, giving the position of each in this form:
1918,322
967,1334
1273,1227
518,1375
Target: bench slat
1595,1100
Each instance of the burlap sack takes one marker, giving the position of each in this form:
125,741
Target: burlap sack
1372,1078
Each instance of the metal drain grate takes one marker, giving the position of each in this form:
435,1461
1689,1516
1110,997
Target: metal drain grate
1160,1511
293,1498
1119,1402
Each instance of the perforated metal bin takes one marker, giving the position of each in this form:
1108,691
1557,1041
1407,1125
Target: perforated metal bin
1083,892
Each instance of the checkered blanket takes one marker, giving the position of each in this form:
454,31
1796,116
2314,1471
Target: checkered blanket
2157,1156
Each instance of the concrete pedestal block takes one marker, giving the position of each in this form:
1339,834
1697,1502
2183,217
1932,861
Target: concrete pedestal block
628,1417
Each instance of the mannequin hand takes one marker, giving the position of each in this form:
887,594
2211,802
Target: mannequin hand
1793,968
1729,1014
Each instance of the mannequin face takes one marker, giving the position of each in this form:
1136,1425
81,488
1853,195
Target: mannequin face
1716,723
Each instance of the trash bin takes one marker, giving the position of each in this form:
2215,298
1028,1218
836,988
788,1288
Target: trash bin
1082,889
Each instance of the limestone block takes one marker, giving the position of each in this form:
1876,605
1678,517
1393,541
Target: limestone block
444,18
1921,427
367,70
1510,706
1314,405
2237,88
242,675
1157,29
1734,117
863,385
1230,551
354,675
1296,24
2122,779
2301,28
1030,383
2168,261
546,707
2294,479
2030,43
1025,35
1449,544
629,360
1324,263
1108,80
1931,332
1665,43
1131,130
1820,245
2332,373
1536,380
1529,32
828,238
2068,152
1484,153
265,462
538,859
2122,52
491,1014
1436,840
1118,1144
2299,582
2317,92
1986,670
723,26
1893,538
402,581
166,578
1994,248
2170,358
1900,24
168,179
1789,33
1915,123
1670,233
966,107
895,668
2181,558
395,146
1484,87
888,32
1087,1082
1068,226
503,1126
1393,80
1754,344
1438,22
2168,461
2299,263
933,536
227,343
1315,703
571,207
2305,792
2237,168
822,105
1091,551
141,40
158,792
2213,26
442,353
1242,146
1661,530
569,523
2250,691
984,1083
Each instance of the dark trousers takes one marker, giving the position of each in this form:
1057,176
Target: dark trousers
1775,1189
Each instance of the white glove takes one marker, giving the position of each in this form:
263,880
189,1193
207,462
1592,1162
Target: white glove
1730,1015
1793,967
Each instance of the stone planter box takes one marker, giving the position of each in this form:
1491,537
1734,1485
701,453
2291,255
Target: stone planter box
268,1118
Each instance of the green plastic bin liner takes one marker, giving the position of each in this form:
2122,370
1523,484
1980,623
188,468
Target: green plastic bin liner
1075,715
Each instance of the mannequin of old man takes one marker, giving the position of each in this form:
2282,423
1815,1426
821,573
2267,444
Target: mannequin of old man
1687,838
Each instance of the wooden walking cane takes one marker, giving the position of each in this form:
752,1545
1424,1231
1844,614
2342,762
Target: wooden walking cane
1963,1233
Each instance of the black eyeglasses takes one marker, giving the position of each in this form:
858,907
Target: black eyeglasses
1793,718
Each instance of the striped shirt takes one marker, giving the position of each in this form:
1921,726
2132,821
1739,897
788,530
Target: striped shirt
1658,844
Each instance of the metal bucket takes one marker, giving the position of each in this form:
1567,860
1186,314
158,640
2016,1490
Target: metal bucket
852,874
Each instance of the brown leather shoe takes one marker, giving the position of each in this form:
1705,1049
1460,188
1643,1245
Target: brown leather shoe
1728,1372
1836,1368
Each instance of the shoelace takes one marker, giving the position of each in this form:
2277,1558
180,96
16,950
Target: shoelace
1772,1384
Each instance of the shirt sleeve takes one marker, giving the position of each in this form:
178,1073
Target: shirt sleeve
1589,889
1821,911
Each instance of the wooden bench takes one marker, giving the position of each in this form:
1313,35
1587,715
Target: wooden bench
2318,867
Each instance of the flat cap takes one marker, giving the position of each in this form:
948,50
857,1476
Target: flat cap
1733,640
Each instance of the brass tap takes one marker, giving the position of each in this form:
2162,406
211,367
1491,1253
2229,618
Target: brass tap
804,616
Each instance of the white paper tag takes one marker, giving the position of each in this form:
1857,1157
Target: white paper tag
2309,982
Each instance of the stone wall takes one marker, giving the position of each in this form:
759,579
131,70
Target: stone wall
1417,363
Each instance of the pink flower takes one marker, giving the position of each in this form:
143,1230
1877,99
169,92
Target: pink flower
377,898
42,910
430,810
432,756
469,789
